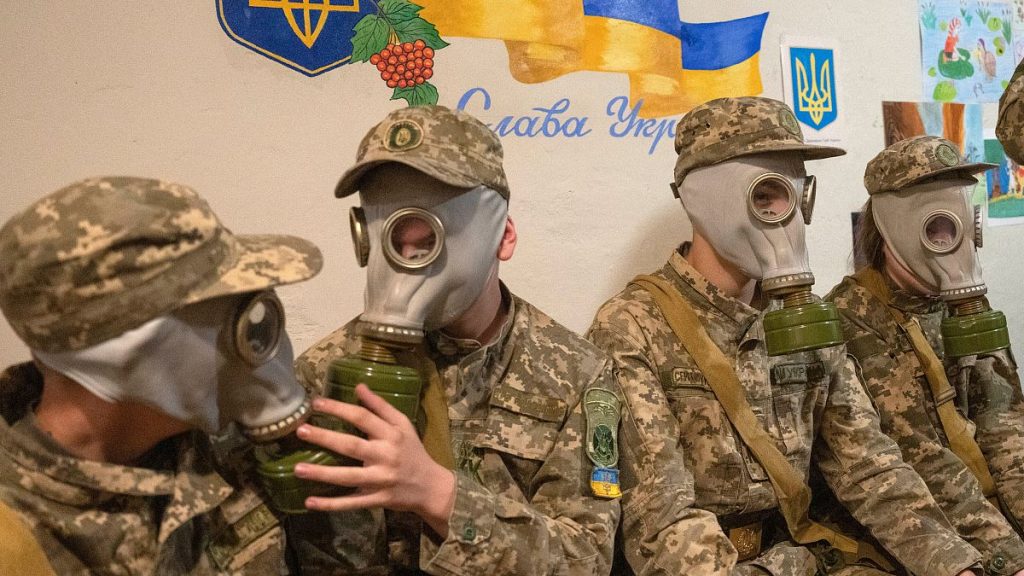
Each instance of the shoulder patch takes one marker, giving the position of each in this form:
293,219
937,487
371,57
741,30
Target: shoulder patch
602,410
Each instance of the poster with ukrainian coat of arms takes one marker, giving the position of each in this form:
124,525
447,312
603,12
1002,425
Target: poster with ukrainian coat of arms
809,77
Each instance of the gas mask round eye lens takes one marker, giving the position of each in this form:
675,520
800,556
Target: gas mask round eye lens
258,327
771,198
942,232
810,195
360,239
412,238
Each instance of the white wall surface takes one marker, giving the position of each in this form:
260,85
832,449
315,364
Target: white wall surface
157,89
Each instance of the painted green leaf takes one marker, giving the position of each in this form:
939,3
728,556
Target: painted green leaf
945,91
419,29
1000,45
420,95
995,24
1005,83
943,25
371,36
956,69
399,10
932,72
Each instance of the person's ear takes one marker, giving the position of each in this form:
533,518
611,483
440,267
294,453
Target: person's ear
508,240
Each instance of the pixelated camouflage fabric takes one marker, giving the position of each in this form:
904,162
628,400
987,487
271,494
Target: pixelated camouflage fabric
810,403
523,503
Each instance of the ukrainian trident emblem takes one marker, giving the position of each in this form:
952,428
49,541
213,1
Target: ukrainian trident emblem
814,86
311,36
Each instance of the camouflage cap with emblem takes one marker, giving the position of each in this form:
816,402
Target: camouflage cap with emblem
449,145
915,160
106,255
728,128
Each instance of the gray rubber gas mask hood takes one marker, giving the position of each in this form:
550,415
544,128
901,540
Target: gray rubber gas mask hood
753,211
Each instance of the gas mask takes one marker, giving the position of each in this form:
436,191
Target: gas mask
753,210
222,360
427,258
933,231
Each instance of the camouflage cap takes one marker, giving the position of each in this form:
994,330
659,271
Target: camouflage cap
106,255
449,145
728,128
914,160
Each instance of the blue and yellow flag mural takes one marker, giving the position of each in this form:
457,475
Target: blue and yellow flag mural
672,65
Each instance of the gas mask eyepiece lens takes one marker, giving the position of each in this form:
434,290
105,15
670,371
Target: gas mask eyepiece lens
771,198
810,195
360,238
258,327
942,232
412,238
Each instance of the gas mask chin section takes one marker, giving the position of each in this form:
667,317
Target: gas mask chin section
934,232
754,210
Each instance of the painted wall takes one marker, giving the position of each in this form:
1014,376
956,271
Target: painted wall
157,89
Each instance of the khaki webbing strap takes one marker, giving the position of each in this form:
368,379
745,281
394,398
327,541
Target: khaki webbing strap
20,552
961,442
437,431
793,493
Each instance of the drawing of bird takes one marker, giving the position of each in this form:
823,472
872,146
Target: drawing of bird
986,59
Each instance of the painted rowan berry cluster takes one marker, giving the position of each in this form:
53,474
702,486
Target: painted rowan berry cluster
405,65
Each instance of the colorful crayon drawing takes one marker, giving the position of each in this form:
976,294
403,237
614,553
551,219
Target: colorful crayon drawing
1005,187
958,123
967,50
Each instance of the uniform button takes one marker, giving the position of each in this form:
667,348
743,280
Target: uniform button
468,531
998,562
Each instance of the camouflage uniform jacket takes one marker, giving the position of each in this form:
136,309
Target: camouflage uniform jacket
175,516
988,392
807,402
523,503
1010,127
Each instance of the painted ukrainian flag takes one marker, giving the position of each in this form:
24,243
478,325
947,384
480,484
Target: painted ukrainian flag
672,65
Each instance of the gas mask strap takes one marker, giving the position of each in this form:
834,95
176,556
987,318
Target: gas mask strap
953,423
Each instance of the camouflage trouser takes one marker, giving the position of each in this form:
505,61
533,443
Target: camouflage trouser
791,559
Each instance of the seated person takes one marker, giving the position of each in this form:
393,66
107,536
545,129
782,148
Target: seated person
151,326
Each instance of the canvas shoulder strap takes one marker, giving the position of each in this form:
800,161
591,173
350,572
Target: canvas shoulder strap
961,442
793,493
20,552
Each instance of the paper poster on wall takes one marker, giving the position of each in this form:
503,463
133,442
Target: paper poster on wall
1018,30
1004,186
809,78
958,123
966,49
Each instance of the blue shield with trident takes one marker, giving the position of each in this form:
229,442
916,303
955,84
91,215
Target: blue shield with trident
311,36
814,86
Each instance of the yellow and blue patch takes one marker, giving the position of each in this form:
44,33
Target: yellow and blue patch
310,36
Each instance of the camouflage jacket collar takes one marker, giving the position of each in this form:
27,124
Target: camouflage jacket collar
911,303
699,289
446,345
190,479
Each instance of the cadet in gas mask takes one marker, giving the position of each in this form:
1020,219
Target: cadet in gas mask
151,326
498,484
934,358
754,369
